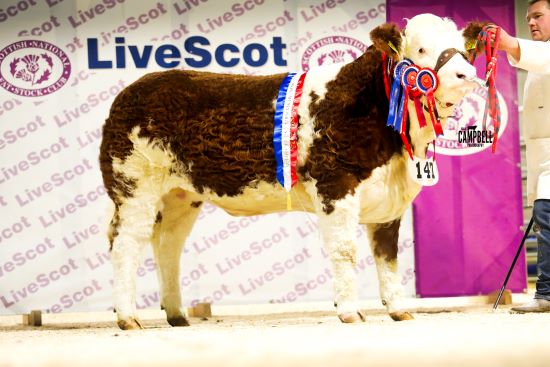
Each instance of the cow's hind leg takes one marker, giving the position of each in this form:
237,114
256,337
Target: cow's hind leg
174,223
339,230
383,241
131,231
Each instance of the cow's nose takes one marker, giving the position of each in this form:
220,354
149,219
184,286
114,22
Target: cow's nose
466,74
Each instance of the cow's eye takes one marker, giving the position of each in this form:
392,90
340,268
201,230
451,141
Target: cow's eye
421,51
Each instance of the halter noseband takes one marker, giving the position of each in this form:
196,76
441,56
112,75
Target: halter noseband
445,56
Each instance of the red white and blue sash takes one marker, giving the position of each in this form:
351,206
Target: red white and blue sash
286,127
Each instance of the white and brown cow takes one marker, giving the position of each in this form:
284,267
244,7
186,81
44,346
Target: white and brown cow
176,139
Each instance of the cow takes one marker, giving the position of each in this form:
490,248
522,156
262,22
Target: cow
178,138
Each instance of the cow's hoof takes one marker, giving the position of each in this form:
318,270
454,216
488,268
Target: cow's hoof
351,317
401,316
129,324
178,321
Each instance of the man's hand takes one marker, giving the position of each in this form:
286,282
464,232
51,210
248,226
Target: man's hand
507,43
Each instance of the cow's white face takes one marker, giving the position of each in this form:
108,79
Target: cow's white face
425,38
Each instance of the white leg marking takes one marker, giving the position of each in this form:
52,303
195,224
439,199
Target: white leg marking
339,230
137,217
391,289
178,217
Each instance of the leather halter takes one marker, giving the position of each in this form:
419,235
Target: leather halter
445,56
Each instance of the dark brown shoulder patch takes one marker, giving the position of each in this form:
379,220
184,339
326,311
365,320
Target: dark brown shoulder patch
337,184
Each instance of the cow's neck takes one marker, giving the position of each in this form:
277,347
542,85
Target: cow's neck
363,79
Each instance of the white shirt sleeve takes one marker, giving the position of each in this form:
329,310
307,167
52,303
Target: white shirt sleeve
534,56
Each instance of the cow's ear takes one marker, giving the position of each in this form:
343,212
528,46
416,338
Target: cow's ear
470,34
387,38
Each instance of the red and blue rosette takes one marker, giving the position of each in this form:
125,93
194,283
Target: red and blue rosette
285,138
408,81
427,82
410,76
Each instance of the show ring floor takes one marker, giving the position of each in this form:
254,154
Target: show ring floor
459,331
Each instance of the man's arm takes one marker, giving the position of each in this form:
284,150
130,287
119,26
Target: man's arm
510,45
534,56
525,54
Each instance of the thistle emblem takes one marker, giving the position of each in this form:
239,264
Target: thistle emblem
337,56
32,68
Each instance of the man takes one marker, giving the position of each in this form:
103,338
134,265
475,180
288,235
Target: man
534,56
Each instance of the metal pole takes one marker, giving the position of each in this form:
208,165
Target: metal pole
513,263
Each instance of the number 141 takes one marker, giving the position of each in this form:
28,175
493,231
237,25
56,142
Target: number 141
428,170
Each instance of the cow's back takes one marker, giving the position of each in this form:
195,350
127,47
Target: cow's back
221,125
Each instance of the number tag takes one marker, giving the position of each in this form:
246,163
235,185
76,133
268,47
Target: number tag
423,171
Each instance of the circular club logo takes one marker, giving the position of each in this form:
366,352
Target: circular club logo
33,68
464,133
331,50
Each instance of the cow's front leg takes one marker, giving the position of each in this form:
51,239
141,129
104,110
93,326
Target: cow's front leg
172,228
338,226
383,241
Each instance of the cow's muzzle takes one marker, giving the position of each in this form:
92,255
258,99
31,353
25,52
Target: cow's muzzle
445,56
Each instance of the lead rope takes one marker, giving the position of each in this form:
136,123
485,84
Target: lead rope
492,107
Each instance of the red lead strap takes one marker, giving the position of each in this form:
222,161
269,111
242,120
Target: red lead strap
492,107
406,92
